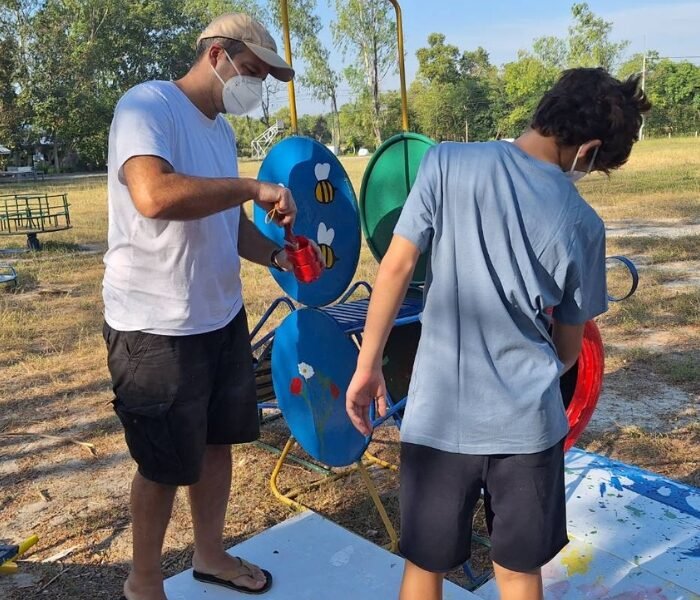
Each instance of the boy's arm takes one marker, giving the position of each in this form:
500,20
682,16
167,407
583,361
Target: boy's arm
567,340
389,290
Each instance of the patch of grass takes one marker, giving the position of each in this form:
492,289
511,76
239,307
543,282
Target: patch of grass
655,307
657,249
660,181
680,369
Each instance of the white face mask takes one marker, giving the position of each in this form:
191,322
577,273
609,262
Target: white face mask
241,93
573,175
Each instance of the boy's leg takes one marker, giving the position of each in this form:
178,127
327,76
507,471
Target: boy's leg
525,505
151,506
513,585
438,493
419,584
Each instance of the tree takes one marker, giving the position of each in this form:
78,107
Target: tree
356,123
551,51
318,75
524,82
439,62
453,92
364,29
589,40
635,64
674,91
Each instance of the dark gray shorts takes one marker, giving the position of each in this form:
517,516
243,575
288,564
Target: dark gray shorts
524,500
176,394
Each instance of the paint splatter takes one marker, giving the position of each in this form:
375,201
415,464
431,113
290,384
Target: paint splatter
615,482
558,590
635,511
673,494
693,552
654,593
594,590
577,561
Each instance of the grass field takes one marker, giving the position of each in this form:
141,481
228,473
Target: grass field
53,379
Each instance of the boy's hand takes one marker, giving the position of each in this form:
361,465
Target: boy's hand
367,386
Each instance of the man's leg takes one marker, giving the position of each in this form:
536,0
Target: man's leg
151,506
518,586
208,500
419,584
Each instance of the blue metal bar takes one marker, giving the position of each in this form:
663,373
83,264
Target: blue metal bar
268,314
633,273
357,285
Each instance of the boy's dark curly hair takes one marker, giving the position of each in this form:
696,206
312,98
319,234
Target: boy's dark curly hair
590,104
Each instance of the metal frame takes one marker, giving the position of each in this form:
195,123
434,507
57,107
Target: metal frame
31,214
8,275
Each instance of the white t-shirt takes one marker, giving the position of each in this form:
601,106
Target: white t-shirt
170,277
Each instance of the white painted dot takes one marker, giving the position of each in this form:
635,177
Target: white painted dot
664,491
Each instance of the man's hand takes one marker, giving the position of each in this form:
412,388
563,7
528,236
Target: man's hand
277,200
367,386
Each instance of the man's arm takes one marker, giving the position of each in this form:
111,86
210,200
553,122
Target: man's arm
159,192
389,290
567,340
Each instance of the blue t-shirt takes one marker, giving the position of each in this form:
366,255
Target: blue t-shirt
509,236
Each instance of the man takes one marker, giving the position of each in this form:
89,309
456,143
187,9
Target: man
175,326
510,239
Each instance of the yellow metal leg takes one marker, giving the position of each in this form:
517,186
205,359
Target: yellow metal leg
394,539
287,499
379,462
284,499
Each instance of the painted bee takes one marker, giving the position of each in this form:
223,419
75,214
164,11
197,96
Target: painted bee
325,239
325,192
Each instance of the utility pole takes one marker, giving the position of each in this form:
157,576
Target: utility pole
466,129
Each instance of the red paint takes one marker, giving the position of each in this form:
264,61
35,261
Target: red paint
295,386
335,392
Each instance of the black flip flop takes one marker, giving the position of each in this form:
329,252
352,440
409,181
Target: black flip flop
214,580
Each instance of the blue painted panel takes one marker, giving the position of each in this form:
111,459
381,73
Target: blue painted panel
328,215
312,364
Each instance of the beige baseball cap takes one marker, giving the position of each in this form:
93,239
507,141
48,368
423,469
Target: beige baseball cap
238,26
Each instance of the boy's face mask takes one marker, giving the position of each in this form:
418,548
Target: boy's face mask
574,175
242,93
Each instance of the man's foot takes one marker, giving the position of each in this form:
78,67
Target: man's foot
143,590
241,574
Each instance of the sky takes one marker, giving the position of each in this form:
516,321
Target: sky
503,27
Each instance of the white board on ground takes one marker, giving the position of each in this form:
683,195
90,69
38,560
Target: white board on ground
312,558
634,536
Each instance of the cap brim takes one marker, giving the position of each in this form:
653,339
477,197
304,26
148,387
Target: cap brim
279,69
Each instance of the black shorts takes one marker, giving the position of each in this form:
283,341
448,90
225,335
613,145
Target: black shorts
524,499
176,394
